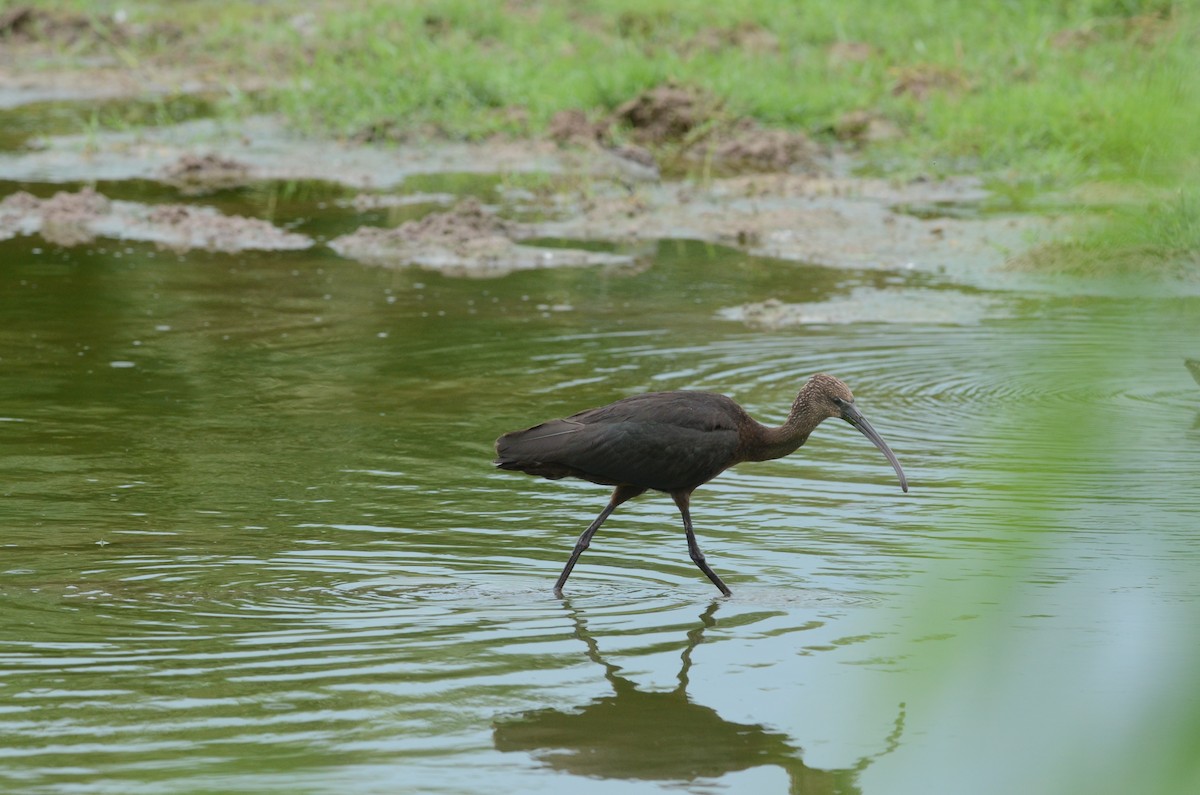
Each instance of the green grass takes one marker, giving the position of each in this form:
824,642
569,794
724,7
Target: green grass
1077,89
1159,238
1083,89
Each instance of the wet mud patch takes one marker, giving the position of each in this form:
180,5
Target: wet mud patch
107,93
746,146
467,240
275,153
836,222
72,219
873,305
366,202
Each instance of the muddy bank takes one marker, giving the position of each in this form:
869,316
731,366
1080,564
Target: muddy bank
597,194
838,221
467,240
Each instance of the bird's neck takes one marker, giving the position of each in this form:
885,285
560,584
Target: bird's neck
787,438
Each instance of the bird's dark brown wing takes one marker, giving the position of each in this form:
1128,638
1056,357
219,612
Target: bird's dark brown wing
662,440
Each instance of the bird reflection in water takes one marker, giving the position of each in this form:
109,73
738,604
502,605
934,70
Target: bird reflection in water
664,736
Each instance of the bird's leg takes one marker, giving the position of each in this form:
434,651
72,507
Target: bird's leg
620,494
682,499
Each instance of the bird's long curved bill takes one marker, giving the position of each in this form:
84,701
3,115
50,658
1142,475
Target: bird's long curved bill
853,416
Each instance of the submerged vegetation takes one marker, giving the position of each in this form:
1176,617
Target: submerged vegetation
1026,92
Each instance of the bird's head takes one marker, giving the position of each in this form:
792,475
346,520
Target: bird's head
826,395
830,397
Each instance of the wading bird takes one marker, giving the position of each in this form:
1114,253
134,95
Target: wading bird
672,442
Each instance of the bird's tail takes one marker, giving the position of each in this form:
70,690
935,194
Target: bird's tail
533,449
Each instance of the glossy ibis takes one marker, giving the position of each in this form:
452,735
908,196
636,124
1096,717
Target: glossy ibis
672,442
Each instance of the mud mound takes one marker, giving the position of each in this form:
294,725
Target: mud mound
467,220
181,227
16,21
198,174
27,23
574,126
666,114
65,219
678,127
72,219
466,240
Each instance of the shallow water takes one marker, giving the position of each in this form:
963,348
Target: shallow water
252,540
